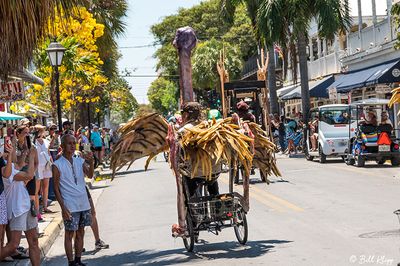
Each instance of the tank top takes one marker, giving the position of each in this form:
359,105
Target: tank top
72,184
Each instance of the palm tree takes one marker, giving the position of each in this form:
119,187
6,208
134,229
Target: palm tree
23,25
252,6
110,13
279,19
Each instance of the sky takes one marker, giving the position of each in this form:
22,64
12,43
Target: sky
142,14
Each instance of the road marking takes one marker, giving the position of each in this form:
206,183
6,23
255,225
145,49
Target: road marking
357,170
264,201
268,199
277,199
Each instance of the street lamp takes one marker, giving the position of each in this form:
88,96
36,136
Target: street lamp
56,53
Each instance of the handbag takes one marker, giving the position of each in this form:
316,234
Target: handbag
48,165
48,160
47,156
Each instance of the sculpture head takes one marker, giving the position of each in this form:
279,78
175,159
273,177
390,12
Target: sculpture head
185,38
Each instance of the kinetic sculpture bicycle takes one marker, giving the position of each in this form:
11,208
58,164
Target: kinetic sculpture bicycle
199,152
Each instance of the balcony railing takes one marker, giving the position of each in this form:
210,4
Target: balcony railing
371,37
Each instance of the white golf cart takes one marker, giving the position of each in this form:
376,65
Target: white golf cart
328,132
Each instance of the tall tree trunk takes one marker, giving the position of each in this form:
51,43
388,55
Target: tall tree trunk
305,93
285,60
293,62
272,82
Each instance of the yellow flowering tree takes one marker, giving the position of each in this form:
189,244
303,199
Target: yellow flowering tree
81,78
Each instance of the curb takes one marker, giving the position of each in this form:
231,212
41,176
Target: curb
53,229
50,235
97,172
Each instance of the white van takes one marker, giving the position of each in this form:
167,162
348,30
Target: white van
328,133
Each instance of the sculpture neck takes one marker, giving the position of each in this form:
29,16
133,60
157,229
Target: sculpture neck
185,73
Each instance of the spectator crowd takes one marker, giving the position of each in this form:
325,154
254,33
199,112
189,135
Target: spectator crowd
31,156
288,131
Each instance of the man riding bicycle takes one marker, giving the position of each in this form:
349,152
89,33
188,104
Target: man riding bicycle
192,116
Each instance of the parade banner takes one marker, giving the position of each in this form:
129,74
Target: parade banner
11,91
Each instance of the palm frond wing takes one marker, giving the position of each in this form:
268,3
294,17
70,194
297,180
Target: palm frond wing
141,137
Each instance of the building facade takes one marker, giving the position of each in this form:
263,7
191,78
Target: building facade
368,44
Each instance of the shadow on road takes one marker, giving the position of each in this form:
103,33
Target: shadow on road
374,165
213,251
332,161
381,234
123,173
280,181
97,187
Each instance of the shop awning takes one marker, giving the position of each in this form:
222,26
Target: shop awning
9,117
285,90
387,72
318,89
26,76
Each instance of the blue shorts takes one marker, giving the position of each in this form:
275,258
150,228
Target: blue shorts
79,219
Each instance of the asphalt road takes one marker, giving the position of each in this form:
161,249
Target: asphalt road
330,214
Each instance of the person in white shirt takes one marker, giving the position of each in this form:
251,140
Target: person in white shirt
44,169
70,189
19,208
385,120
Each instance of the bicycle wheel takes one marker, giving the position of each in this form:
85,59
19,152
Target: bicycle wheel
189,240
241,229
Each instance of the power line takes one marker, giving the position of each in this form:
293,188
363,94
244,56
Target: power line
139,46
200,38
148,76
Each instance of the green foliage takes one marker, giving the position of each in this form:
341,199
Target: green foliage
396,19
162,96
242,33
204,18
144,109
213,32
279,20
167,59
205,59
122,103
110,14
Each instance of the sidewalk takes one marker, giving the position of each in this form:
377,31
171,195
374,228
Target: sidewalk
51,228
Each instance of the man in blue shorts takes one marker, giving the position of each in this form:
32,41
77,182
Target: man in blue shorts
70,189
